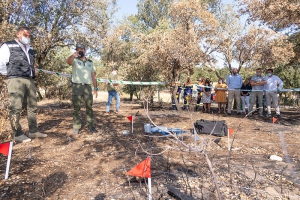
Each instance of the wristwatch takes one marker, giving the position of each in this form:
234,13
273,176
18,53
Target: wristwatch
95,88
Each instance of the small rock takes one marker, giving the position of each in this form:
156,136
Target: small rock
274,157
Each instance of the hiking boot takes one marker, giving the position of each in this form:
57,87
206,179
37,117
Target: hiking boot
22,138
93,130
37,135
278,116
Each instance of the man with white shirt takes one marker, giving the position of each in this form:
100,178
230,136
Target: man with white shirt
17,63
272,86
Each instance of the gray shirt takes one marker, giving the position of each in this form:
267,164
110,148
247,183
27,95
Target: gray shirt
258,79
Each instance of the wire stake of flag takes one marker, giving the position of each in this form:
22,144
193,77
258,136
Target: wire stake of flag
130,118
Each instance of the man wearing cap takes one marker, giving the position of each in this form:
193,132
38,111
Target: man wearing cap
83,75
17,64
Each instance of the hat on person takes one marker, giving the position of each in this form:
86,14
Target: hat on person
80,46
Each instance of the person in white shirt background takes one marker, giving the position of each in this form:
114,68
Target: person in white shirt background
273,85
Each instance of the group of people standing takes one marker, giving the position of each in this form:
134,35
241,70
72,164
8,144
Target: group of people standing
17,65
251,91
248,93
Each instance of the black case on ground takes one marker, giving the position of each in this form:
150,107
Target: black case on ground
216,128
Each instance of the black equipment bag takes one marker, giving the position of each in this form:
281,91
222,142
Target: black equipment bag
216,128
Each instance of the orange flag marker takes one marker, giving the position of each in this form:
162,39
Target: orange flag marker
143,169
274,119
230,131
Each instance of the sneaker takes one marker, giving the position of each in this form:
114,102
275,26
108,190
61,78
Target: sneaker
261,115
268,115
228,113
278,116
75,131
37,135
106,113
116,112
22,138
93,130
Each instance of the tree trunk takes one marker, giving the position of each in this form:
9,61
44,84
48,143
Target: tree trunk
131,96
151,98
175,91
40,95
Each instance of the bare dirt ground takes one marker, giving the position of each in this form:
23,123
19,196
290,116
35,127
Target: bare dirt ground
93,166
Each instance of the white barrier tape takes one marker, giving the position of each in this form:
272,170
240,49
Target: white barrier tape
157,83
106,80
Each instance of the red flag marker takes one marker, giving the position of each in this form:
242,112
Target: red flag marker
130,118
143,169
274,119
4,148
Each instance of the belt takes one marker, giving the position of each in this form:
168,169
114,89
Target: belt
81,83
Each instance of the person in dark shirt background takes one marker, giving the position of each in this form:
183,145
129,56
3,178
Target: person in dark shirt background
245,94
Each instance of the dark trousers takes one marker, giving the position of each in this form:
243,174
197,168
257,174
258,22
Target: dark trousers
21,89
82,92
174,104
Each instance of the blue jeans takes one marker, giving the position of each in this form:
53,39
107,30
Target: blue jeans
112,94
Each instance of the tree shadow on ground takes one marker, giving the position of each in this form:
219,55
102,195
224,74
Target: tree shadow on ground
100,197
53,182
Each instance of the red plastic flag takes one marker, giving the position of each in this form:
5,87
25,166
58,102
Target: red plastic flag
4,148
230,131
274,119
143,169
130,118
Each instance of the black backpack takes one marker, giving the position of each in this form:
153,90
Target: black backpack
216,128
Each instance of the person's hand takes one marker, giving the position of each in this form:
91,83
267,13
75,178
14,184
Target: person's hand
75,54
96,93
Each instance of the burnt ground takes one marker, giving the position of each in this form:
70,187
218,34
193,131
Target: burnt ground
93,166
